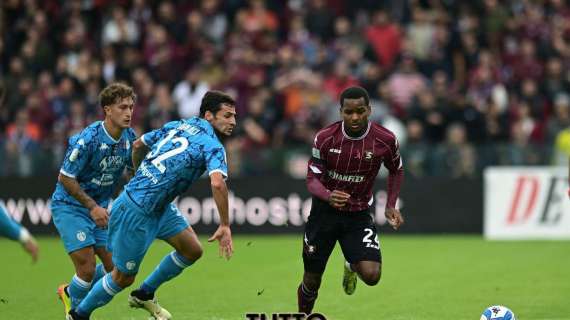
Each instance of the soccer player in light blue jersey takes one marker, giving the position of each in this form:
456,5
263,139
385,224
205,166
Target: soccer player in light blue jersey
175,156
95,161
15,231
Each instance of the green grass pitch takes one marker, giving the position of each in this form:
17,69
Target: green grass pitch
424,277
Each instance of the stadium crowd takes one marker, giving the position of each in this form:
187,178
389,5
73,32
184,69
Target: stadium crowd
463,84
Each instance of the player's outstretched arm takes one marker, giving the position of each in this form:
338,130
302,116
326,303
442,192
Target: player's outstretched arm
223,234
139,152
99,214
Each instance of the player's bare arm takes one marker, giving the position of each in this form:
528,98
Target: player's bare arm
223,234
128,175
98,214
139,152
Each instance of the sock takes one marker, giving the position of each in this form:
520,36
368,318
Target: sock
77,290
8,227
348,266
306,299
101,293
308,293
170,266
99,272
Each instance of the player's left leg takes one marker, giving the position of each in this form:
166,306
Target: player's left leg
13,230
130,234
360,246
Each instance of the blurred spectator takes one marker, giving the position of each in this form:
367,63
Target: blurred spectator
385,38
430,115
188,94
161,110
416,150
560,119
22,139
406,82
456,158
120,28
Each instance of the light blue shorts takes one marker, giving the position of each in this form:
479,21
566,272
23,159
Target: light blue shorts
132,231
76,228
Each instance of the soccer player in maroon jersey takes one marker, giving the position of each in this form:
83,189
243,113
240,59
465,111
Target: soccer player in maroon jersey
346,157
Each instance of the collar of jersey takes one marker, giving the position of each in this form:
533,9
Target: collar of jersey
355,138
107,133
204,124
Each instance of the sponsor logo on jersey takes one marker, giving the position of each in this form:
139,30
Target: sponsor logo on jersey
111,163
345,177
337,151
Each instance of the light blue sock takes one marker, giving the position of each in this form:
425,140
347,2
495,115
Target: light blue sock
8,227
170,266
99,272
101,293
77,290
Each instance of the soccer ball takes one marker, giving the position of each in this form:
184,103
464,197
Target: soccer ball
498,313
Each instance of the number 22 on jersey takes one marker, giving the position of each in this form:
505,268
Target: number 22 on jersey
182,144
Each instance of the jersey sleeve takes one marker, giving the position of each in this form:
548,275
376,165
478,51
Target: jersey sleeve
76,157
394,161
317,162
152,137
396,169
215,156
316,168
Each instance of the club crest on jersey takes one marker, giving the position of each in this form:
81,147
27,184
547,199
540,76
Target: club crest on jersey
368,155
103,146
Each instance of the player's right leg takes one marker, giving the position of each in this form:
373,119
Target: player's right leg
77,231
361,248
319,240
13,230
175,230
130,233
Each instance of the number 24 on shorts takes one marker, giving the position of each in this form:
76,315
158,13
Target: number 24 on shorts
370,243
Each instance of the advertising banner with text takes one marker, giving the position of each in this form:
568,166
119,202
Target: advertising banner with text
526,203
280,205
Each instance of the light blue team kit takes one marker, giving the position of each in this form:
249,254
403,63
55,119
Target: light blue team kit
180,152
96,161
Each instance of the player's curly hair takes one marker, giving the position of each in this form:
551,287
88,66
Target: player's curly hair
213,101
354,92
114,93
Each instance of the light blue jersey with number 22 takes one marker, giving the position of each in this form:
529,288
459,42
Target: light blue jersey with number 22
180,152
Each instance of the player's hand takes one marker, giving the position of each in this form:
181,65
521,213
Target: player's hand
224,236
31,246
100,216
394,217
338,199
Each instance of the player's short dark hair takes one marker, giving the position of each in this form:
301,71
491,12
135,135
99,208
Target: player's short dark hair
114,93
354,92
213,101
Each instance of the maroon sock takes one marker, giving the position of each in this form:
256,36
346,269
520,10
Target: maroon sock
306,299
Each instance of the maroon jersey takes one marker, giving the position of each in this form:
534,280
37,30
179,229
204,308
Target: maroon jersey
351,164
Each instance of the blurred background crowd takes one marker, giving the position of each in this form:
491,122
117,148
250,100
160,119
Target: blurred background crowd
463,84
